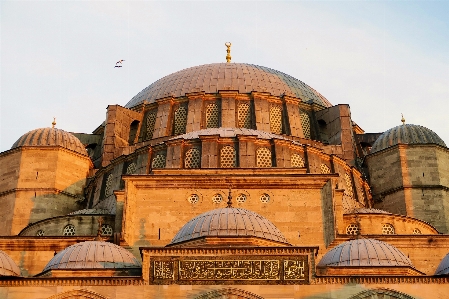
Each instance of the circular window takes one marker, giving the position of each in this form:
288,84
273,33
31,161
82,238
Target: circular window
40,233
241,198
217,198
193,198
69,230
264,198
352,229
416,231
387,229
106,230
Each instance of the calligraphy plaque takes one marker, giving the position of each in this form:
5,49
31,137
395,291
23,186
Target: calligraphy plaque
294,270
164,270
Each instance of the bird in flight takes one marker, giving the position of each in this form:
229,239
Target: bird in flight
118,63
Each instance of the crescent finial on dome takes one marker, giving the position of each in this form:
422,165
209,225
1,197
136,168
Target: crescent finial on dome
403,119
228,50
53,124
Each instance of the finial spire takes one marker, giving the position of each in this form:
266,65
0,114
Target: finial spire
53,124
229,199
403,119
100,224
228,50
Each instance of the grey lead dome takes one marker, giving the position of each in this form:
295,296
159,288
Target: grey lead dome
229,222
406,134
242,77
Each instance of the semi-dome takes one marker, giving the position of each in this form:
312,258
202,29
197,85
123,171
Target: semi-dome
406,134
51,137
443,267
7,266
229,222
364,252
245,78
93,255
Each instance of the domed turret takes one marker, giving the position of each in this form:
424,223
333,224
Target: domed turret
51,137
229,222
7,266
406,134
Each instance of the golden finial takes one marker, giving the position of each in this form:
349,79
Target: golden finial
403,119
228,50
100,224
229,199
53,124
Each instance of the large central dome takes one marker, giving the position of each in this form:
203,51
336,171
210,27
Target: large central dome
210,78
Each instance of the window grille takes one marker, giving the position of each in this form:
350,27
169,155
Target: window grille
40,233
212,116
244,116
264,198
106,230
193,198
69,230
108,188
352,229
276,120
325,169
297,161
263,156
228,157
387,229
217,198
241,198
416,231
180,120
192,158
305,124
131,169
150,122
158,161
349,190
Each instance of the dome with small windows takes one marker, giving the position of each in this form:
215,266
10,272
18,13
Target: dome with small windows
406,134
7,266
51,137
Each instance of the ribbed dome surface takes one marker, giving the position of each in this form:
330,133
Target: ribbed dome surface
51,137
229,222
7,266
93,255
406,134
443,267
243,77
364,252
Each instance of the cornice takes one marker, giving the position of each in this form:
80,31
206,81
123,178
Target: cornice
49,190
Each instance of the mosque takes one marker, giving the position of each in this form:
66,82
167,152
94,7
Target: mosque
225,180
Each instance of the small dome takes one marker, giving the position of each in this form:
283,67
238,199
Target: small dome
93,255
364,252
51,137
90,212
443,267
406,134
7,266
243,77
368,211
229,222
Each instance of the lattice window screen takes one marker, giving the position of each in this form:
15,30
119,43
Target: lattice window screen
352,229
264,198
241,198
387,229
158,161
244,116
416,231
325,169
106,230
108,185
212,116
276,120
349,190
263,157
131,169
305,124
192,158
69,230
180,120
150,122
217,198
228,157
297,161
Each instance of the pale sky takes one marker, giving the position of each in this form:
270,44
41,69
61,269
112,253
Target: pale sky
383,58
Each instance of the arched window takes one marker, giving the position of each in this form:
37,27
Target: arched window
106,230
349,189
180,121
131,169
228,157
244,116
305,123
158,161
263,157
192,158
69,230
388,229
297,161
212,120
133,131
276,120
150,121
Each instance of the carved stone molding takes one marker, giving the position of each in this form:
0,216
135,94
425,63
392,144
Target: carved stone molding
78,294
381,293
229,293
